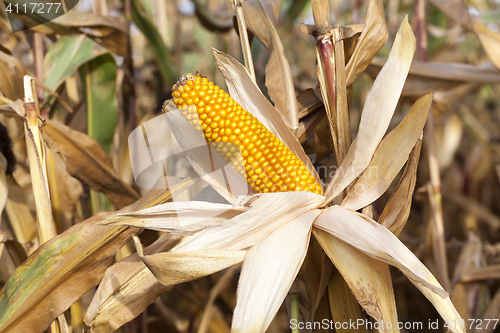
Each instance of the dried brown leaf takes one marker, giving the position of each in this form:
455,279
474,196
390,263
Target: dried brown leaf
87,161
21,220
65,191
111,32
490,41
261,17
455,72
379,243
397,209
377,111
368,279
343,304
176,267
315,273
371,40
307,102
390,156
126,290
59,273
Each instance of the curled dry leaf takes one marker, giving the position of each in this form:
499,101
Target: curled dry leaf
208,20
377,111
389,158
11,82
308,125
308,102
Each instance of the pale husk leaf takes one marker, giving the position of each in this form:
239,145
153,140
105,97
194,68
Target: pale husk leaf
184,217
269,269
377,112
371,40
261,17
269,212
397,209
244,91
379,243
176,267
389,158
368,279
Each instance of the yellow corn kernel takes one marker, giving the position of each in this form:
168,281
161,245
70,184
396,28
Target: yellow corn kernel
269,165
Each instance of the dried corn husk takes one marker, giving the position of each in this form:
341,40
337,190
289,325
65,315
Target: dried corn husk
377,111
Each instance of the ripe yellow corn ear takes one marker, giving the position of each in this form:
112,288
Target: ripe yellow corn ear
269,165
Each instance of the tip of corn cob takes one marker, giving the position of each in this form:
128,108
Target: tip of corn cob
267,163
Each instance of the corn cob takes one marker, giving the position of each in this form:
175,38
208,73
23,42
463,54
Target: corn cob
269,165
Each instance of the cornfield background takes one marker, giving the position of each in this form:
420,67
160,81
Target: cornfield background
106,67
